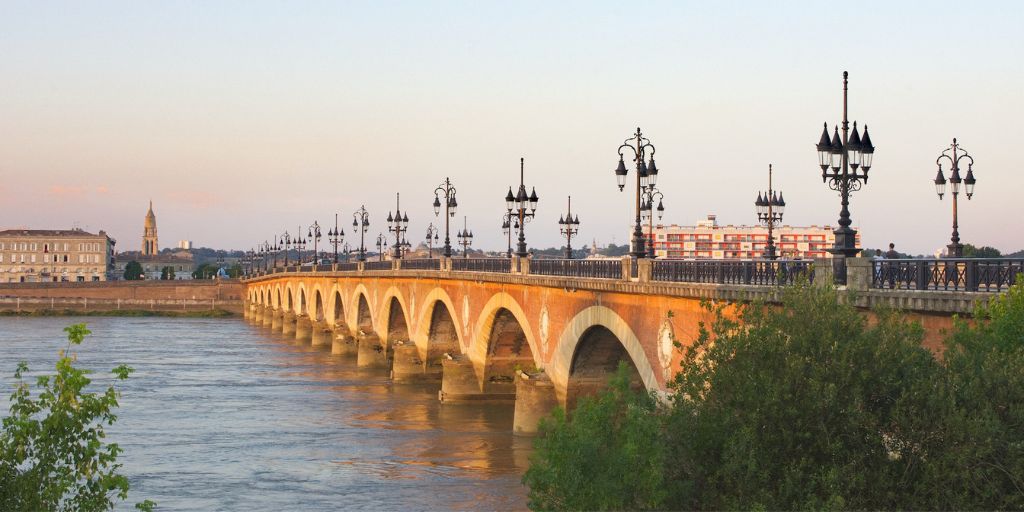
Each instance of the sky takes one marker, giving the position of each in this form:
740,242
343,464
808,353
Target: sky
241,120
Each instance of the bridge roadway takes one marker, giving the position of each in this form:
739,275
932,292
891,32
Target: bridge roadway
537,340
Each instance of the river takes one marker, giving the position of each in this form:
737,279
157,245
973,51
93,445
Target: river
222,415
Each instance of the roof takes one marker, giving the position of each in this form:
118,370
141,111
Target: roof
50,232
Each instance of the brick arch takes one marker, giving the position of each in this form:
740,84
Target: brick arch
424,321
278,302
301,300
386,316
485,323
336,307
360,293
561,361
318,306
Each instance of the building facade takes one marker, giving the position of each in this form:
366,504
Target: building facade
709,240
45,255
179,264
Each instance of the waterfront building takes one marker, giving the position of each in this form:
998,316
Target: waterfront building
55,255
707,239
152,260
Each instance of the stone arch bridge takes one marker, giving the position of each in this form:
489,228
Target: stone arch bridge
495,331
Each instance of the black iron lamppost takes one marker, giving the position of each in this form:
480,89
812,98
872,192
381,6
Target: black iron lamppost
361,223
398,224
446,190
770,207
569,227
335,237
314,235
300,245
509,223
286,245
646,176
647,210
382,245
845,163
955,249
346,251
517,205
465,238
274,249
431,239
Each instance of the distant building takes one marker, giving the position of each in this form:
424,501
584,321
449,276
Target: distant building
709,240
185,245
44,255
152,261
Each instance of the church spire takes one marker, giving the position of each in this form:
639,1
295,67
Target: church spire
150,247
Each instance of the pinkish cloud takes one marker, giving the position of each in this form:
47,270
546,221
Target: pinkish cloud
67,191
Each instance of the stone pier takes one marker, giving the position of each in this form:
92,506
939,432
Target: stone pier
303,328
343,343
406,365
371,352
322,334
288,324
535,399
277,320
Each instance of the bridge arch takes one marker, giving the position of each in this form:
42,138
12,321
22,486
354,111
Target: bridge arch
590,335
502,333
301,305
290,305
363,315
437,329
277,302
317,311
395,312
337,307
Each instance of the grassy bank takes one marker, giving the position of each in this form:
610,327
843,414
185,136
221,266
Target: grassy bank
207,313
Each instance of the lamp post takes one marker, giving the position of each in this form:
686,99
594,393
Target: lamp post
507,227
335,236
646,176
518,204
300,245
569,227
770,207
647,210
314,235
465,238
446,190
382,245
955,249
286,245
361,223
844,163
431,239
274,249
398,225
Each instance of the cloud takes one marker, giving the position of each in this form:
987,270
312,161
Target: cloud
67,191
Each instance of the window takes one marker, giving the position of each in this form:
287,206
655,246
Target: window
33,258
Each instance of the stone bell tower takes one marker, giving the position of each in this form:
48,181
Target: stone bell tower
149,241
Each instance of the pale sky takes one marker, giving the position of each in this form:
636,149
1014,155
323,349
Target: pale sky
243,119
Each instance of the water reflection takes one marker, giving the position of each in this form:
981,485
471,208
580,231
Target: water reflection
224,415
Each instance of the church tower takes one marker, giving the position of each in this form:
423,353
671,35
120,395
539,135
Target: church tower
149,243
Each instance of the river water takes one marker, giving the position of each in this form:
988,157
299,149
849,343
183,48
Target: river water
222,415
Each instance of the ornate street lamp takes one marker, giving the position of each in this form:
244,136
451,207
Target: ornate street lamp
314,235
447,191
509,223
845,163
398,224
955,249
361,223
300,245
431,239
382,245
770,207
647,210
569,226
465,238
646,176
286,245
336,237
518,205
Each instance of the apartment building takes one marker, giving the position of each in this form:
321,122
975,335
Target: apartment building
707,239
54,255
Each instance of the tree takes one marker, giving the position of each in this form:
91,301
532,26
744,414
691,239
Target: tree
53,449
970,251
133,271
606,457
235,270
167,273
205,271
985,457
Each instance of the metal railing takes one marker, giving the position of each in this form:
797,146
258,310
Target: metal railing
753,272
422,264
953,274
601,269
377,265
498,265
347,267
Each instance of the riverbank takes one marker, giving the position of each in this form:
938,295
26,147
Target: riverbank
206,313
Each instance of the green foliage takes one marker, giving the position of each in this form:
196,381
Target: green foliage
807,407
602,457
205,271
986,370
235,271
53,449
970,251
133,271
167,273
